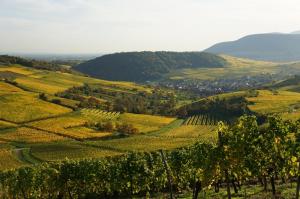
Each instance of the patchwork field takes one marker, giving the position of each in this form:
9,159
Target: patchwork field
35,129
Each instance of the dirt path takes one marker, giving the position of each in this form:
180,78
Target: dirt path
24,155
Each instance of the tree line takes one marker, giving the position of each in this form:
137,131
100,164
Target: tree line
37,64
244,153
158,102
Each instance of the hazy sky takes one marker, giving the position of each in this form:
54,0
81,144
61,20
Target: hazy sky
94,26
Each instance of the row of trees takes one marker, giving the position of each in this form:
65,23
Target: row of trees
158,102
108,126
244,152
38,64
221,108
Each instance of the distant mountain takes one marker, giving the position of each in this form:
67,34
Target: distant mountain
267,47
145,66
296,32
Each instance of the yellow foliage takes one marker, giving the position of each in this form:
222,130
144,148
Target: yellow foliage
145,123
29,135
21,107
269,102
8,159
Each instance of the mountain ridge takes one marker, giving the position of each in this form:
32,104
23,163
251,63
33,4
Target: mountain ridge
278,47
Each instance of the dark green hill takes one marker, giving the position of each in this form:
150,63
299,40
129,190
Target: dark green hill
144,66
268,47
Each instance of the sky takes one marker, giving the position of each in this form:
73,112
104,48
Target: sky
105,26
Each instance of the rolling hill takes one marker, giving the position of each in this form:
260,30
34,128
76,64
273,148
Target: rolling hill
38,125
268,47
147,66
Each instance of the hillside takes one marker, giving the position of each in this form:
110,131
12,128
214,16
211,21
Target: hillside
289,84
146,66
51,115
55,119
268,47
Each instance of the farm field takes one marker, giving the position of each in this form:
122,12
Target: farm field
4,124
22,107
201,120
278,102
146,123
52,82
29,135
71,150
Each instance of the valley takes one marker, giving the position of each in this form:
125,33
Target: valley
53,116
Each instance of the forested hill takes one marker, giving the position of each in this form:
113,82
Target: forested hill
267,47
144,66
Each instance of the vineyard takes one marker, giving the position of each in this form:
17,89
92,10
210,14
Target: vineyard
245,162
68,126
201,120
22,107
29,135
41,131
146,123
99,114
59,151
